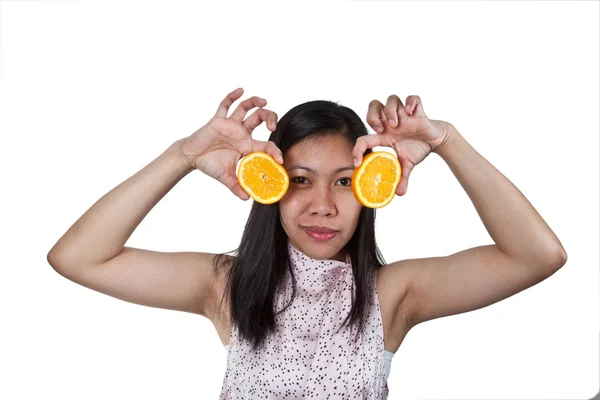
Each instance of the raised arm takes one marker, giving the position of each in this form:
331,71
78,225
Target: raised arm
93,253
102,231
525,250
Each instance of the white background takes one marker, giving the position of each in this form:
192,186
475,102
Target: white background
91,92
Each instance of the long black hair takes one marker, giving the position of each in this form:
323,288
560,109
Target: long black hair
262,259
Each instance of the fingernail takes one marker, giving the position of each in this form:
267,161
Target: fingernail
356,163
392,122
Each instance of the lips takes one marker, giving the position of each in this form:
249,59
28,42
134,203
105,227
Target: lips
320,233
319,229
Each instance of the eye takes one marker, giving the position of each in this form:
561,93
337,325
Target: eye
297,178
347,180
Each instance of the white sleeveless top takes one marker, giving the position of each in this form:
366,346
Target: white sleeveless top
306,356
387,354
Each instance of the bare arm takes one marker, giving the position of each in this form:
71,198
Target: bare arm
92,252
526,250
102,231
513,223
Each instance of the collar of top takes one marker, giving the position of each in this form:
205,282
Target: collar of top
304,264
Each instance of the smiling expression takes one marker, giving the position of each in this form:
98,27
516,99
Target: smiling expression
320,196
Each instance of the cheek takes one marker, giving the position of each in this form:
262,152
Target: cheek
352,205
288,210
354,208
349,211
292,203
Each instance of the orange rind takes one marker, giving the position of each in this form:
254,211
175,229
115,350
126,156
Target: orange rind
263,178
375,181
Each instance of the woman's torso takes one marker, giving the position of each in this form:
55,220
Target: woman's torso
394,326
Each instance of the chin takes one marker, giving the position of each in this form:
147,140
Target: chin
319,250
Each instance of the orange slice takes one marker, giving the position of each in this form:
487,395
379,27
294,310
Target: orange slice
375,181
263,178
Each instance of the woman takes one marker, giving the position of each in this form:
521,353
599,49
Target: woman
307,304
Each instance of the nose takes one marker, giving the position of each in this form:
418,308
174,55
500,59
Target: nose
323,203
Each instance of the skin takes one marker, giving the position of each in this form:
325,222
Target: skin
525,250
322,197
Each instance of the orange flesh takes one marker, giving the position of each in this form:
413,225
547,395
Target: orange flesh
265,179
378,179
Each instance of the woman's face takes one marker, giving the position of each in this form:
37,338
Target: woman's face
320,196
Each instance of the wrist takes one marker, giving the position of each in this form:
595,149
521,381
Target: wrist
188,163
448,132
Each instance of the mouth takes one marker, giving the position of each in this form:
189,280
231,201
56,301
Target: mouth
320,233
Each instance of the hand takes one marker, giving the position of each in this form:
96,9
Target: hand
406,129
216,148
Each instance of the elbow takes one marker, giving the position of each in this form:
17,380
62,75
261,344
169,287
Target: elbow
563,256
560,256
51,258
57,263
556,260
55,260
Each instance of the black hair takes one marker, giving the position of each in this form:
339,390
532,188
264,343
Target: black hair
262,259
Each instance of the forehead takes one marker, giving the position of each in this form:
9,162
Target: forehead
322,155
321,149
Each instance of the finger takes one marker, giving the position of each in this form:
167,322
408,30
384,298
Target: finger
418,110
268,147
230,129
241,110
384,121
403,185
391,110
258,116
411,104
374,115
364,143
227,102
233,184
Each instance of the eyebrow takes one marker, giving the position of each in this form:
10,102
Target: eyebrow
313,171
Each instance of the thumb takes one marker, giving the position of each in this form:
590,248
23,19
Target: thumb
233,184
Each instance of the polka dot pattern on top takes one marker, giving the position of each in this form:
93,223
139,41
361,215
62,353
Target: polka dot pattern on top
305,358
